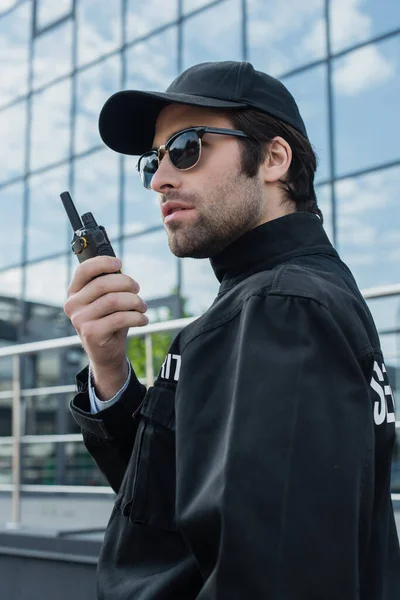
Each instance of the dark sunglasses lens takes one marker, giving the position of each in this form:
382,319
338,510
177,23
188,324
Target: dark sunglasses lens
147,167
184,152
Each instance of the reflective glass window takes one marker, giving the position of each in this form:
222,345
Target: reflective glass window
353,21
15,31
52,55
51,125
214,34
12,146
99,28
324,200
140,17
46,282
11,282
199,285
367,100
11,202
309,91
386,314
96,189
7,4
148,260
190,5
47,228
162,48
142,207
49,11
395,479
94,86
284,35
368,234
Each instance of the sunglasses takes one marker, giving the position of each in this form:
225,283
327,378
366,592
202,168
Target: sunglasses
184,150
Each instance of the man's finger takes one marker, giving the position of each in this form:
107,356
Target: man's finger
90,269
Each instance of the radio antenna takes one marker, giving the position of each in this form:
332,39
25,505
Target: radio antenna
72,213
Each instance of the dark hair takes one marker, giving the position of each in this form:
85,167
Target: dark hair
262,128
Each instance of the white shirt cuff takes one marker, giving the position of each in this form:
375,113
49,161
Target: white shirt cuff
97,405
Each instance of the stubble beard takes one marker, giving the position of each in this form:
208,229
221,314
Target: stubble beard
235,208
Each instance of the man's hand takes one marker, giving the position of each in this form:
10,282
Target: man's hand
102,309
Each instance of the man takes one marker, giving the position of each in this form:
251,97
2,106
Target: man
258,465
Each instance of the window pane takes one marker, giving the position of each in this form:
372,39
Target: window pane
46,282
149,261
354,22
140,16
163,63
14,51
12,147
52,54
96,189
395,479
284,35
190,5
11,201
99,28
44,322
214,34
367,100
199,285
142,207
94,86
386,313
47,229
309,91
324,200
368,232
51,125
49,11
11,282
6,5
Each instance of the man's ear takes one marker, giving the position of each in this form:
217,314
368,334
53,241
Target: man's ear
277,161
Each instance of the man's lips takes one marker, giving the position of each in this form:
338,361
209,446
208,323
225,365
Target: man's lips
171,207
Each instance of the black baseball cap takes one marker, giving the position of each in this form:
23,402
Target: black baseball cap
127,119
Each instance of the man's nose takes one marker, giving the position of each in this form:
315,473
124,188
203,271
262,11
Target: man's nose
166,176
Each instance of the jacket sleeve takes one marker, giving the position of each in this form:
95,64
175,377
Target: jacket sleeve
109,435
283,492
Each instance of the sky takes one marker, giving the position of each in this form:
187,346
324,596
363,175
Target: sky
281,37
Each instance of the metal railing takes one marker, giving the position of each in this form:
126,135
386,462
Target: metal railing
18,438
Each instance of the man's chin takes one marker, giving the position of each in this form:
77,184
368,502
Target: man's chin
184,247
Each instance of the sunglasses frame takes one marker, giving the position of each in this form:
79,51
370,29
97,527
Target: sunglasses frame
200,131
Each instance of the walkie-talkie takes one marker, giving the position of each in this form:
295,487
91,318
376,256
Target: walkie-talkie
89,238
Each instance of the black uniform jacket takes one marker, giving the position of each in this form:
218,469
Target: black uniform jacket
258,465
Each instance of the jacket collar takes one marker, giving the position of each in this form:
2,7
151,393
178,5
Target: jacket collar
270,244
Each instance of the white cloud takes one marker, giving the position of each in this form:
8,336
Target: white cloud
372,192
14,47
52,55
362,70
5,4
99,28
141,16
50,11
274,30
349,24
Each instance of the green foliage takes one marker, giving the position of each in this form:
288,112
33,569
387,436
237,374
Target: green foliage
137,355
161,344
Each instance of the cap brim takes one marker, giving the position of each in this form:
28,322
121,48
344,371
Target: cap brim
127,120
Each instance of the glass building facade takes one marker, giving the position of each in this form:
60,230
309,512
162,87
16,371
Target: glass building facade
61,60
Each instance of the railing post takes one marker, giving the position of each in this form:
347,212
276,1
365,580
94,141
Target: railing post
16,444
149,359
